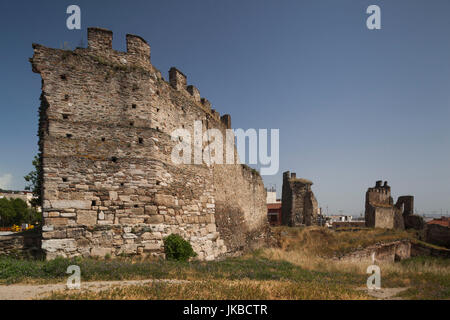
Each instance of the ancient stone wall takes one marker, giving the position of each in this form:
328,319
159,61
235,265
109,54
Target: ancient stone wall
298,203
109,185
381,252
393,251
422,249
22,245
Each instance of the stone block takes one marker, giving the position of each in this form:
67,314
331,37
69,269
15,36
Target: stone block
164,200
101,252
54,245
70,204
87,217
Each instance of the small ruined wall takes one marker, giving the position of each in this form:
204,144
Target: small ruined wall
419,249
394,251
437,234
20,245
109,184
382,252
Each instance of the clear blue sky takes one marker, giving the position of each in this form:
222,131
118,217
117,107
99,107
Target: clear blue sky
352,105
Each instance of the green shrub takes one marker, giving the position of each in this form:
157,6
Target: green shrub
176,248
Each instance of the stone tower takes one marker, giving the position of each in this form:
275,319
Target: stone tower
381,212
109,185
299,205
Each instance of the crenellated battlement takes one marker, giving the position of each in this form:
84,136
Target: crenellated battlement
178,81
138,47
99,39
138,54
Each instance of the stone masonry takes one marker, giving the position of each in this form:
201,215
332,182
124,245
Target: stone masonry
381,212
109,185
298,204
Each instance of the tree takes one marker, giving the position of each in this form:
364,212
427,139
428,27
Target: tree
35,182
16,211
7,213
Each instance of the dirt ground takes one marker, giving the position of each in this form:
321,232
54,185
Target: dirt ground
384,293
29,291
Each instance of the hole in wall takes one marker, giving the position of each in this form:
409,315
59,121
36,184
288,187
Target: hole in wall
103,139
141,140
114,159
64,179
65,116
94,203
122,184
66,97
69,135
63,77
136,206
131,123
133,106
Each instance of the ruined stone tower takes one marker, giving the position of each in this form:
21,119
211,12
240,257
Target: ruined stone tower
109,185
298,204
381,212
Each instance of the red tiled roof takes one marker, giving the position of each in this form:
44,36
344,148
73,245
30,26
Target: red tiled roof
274,205
442,222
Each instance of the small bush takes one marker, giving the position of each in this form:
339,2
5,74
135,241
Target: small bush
176,248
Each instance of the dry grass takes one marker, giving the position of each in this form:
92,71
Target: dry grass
327,243
311,249
301,268
218,290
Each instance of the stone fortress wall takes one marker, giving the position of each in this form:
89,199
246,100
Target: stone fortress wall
109,185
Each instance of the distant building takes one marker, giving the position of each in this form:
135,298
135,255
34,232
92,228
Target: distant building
26,196
273,208
341,218
438,232
274,213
